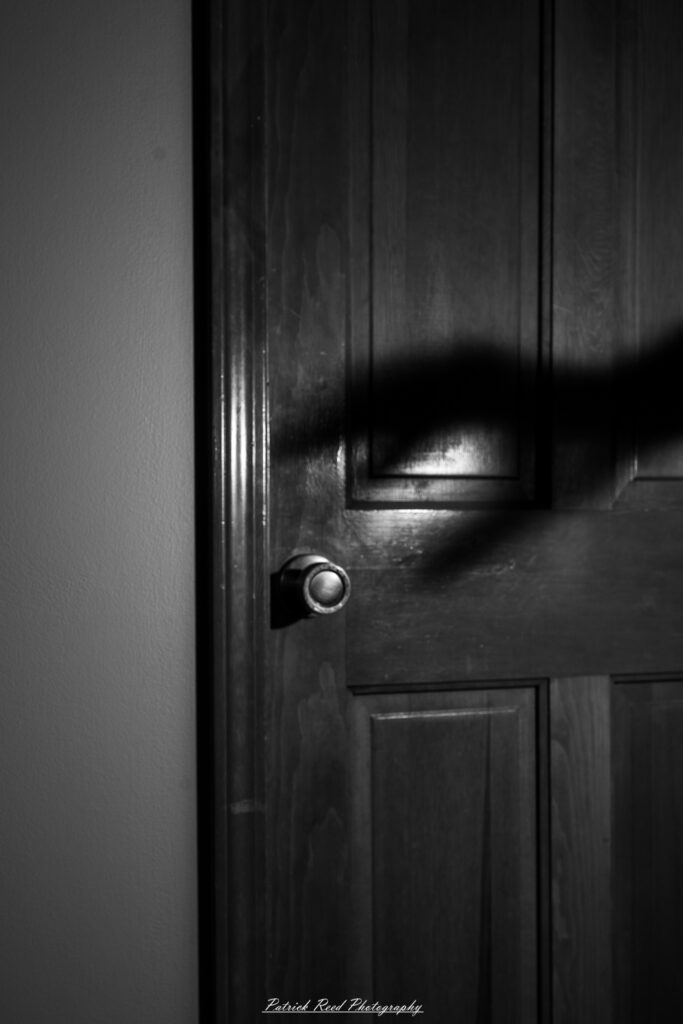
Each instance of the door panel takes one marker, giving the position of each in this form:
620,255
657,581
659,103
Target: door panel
445,869
463,225
647,751
616,846
445,253
658,149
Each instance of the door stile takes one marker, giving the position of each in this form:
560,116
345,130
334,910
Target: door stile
581,849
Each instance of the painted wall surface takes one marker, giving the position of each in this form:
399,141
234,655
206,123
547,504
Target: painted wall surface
97,746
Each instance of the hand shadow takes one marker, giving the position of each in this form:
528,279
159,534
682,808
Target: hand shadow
476,388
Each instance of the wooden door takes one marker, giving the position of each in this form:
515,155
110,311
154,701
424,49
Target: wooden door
448,267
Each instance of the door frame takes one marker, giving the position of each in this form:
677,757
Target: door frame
231,433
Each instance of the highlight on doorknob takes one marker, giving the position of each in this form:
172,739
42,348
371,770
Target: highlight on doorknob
313,585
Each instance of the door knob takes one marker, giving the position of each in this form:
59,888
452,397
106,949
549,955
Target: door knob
314,585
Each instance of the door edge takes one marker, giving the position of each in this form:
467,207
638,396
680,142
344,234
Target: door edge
230,370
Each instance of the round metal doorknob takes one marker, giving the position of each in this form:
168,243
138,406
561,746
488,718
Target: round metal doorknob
318,586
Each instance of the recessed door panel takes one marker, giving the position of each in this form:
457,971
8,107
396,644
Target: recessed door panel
446,857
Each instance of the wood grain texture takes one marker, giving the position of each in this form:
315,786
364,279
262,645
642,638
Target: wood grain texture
659,231
586,252
647,756
581,851
451,221
617,837
308,810
233,953
443,597
307,803
616,253
467,596
448,800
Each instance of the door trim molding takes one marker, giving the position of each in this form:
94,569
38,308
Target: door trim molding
231,435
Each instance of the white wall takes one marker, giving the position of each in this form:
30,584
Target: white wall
97,759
